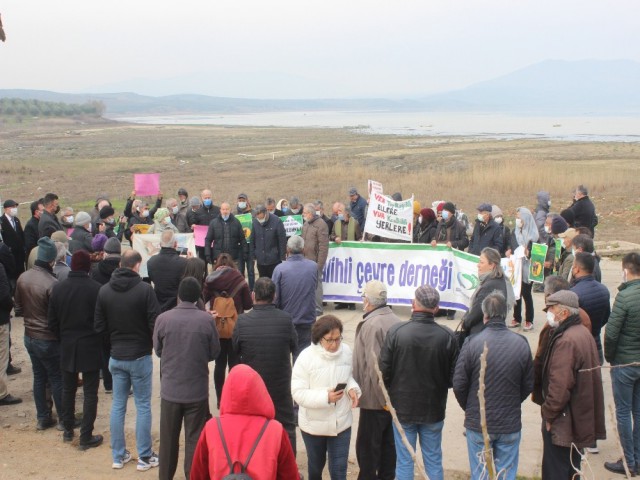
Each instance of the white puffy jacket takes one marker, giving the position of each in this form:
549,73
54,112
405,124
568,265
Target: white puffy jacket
315,372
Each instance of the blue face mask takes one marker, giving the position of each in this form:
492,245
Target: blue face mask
445,215
225,217
285,209
340,217
206,202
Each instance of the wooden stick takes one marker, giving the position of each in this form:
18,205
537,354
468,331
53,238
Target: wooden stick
633,364
488,453
617,437
396,422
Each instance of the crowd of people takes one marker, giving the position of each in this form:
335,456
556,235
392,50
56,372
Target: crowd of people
90,316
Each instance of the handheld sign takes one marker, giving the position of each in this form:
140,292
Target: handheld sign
146,184
292,224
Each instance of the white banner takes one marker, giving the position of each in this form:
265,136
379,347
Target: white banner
512,267
374,187
388,218
402,268
148,245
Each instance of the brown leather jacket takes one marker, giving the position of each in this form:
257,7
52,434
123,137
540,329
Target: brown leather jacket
573,400
316,241
33,290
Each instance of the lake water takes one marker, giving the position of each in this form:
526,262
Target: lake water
487,125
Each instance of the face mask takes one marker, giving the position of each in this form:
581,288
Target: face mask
242,205
624,275
551,320
206,202
89,227
340,217
225,217
70,219
175,210
144,214
445,215
573,252
519,222
498,220
547,229
285,209
295,210
110,221
549,203
13,212
262,220
480,217
318,213
167,220
420,219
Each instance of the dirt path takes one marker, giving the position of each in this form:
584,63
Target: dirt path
27,453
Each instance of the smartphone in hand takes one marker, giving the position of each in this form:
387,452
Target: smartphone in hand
340,387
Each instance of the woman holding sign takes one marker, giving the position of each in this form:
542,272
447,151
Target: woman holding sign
524,234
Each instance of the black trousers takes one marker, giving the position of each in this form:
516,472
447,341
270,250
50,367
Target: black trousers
194,416
266,270
525,294
226,357
556,461
90,383
375,446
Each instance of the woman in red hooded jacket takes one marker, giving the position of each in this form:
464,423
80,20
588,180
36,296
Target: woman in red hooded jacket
244,409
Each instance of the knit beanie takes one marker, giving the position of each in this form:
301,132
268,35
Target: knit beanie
106,212
97,244
189,290
47,250
558,225
416,207
81,261
449,207
112,246
440,207
428,215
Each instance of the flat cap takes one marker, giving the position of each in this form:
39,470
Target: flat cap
375,289
562,297
427,296
485,207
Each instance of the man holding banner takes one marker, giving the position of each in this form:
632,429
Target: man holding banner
268,241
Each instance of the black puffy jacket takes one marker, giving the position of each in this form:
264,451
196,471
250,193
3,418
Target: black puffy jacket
165,271
417,363
508,379
227,237
594,298
489,235
269,241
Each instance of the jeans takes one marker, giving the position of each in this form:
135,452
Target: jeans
304,338
90,382
625,383
599,348
226,357
126,373
505,448
336,448
430,445
375,446
45,360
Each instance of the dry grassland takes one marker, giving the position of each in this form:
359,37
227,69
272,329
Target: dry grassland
78,161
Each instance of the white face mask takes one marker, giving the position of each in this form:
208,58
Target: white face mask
70,219
551,320
498,220
624,275
145,214
549,203
547,229
242,205
175,210
519,222
167,220
480,217
420,219
13,212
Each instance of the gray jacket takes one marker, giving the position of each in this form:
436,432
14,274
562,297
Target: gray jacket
508,380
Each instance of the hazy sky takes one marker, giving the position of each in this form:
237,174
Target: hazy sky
328,48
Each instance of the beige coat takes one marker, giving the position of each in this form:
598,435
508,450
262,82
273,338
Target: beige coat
316,241
370,335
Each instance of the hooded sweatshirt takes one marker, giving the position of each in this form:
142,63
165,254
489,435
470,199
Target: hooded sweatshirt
244,408
127,309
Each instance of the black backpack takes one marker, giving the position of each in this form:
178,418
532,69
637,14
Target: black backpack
232,464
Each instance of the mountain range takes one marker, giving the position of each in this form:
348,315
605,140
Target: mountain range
553,86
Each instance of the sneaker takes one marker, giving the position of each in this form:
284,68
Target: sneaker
108,391
618,467
528,326
125,459
592,450
145,463
514,324
67,436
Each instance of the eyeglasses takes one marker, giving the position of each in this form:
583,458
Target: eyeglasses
332,341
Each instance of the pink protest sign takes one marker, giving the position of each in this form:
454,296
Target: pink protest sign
200,233
146,184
